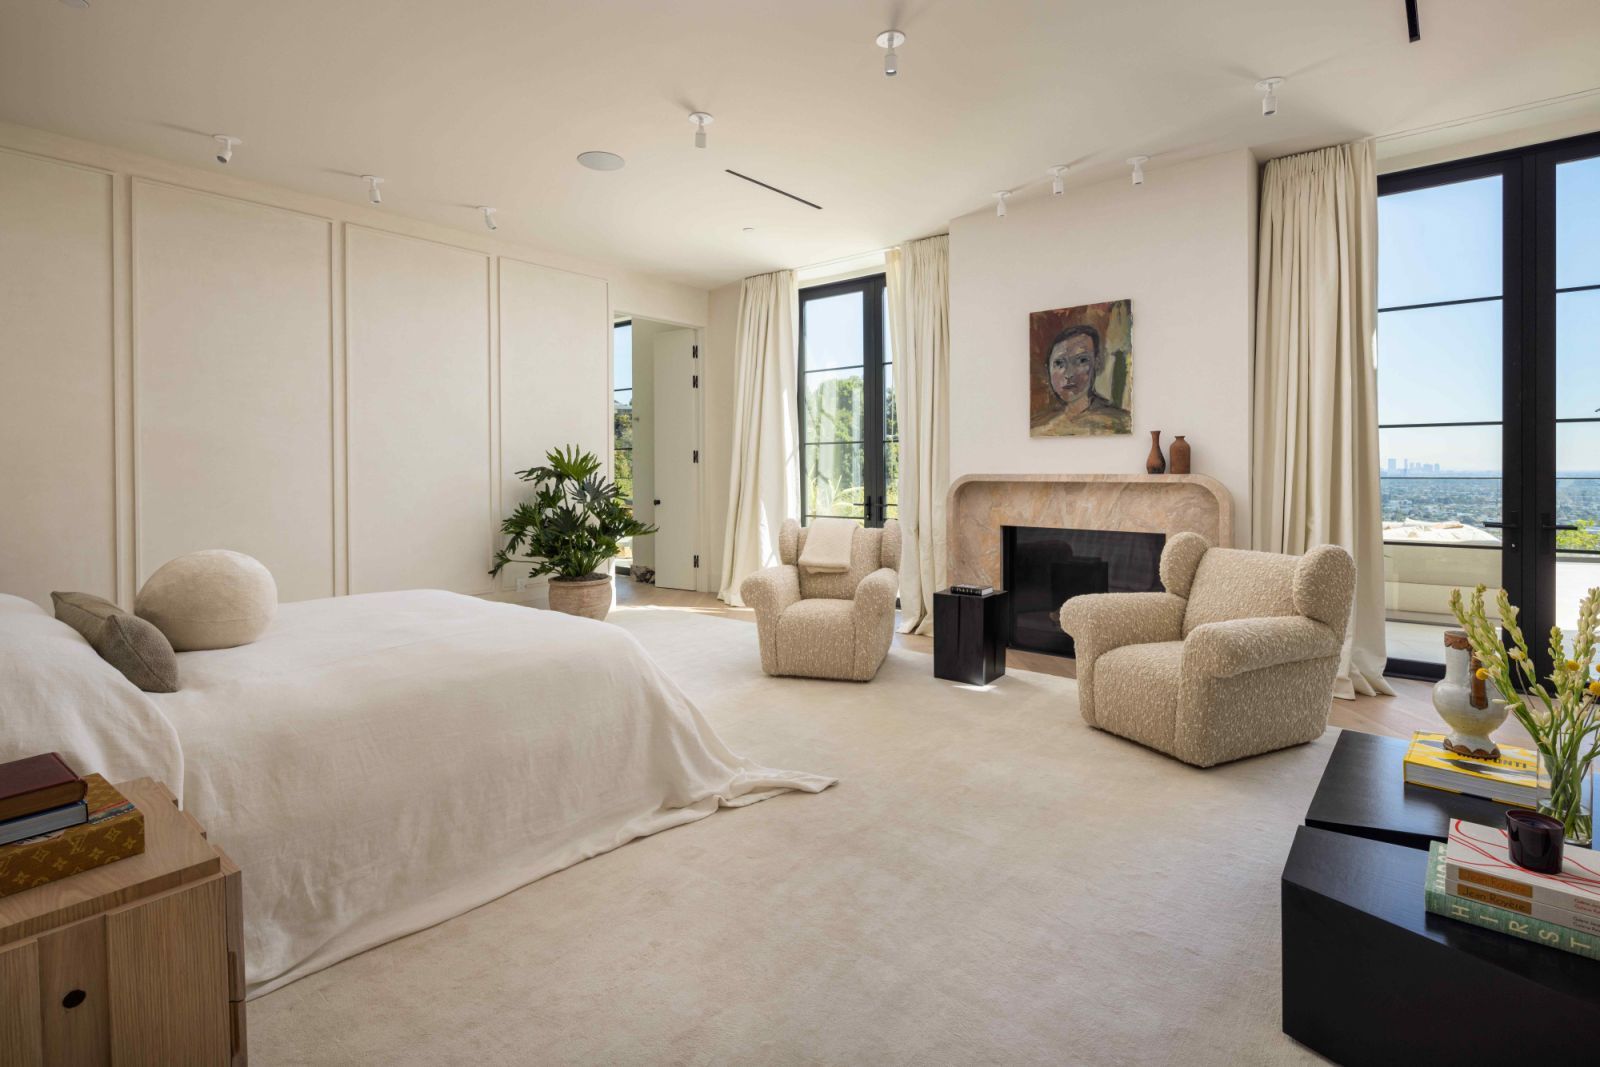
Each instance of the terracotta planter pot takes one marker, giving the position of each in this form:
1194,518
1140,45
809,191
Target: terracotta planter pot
589,597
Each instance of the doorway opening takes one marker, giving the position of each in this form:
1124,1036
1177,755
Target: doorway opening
656,429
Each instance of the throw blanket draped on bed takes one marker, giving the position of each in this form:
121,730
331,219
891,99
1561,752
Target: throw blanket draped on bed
380,763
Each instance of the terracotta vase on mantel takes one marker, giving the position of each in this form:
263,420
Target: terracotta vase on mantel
1180,455
1157,463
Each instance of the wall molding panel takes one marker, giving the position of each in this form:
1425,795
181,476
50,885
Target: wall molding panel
204,363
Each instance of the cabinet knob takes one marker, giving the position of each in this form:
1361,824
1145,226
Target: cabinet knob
73,999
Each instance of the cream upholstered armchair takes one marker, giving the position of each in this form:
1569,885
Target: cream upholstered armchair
827,625
1237,657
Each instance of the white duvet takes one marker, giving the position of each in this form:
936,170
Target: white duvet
376,764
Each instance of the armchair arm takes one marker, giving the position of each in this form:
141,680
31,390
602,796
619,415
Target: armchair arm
1225,649
769,592
874,619
1100,622
1103,621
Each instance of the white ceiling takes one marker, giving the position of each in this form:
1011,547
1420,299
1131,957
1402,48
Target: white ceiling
465,102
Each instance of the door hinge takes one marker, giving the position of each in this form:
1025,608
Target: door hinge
697,562
694,353
696,381
697,455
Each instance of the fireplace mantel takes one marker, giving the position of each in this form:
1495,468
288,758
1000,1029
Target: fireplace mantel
978,505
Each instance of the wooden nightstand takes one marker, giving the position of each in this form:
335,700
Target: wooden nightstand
137,962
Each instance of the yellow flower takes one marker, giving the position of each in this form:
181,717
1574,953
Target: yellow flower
1483,675
1572,664
1594,689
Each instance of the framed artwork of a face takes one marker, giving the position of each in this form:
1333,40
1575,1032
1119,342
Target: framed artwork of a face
1080,370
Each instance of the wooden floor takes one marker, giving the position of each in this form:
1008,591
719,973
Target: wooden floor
1409,710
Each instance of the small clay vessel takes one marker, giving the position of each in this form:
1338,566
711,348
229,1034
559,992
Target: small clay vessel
1157,463
1179,453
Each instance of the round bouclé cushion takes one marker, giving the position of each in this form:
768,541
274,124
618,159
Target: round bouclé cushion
209,599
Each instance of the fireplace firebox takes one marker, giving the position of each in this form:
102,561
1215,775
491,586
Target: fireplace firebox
1044,567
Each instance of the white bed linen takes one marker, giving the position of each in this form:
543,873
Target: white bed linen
58,695
379,763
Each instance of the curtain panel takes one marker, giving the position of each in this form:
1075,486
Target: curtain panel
764,483
919,330
1315,434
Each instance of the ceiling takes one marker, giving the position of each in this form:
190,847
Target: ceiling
465,102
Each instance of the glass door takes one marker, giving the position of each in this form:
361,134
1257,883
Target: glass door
1570,299
1489,391
1448,400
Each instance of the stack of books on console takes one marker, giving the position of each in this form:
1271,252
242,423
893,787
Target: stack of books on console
1472,878
1512,779
54,823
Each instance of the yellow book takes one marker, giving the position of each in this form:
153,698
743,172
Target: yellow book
1512,779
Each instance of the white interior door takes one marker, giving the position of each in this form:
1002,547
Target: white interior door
677,458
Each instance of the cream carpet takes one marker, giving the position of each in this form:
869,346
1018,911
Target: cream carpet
991,882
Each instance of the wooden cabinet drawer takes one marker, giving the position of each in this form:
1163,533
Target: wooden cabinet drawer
21,1042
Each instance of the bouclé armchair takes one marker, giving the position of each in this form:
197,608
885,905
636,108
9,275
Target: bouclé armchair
835,626
1236,657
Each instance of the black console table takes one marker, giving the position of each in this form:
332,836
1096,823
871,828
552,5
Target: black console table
969,636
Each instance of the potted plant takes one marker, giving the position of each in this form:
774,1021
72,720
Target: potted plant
572,526
1565,724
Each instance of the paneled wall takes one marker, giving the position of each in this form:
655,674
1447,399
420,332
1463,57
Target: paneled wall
188,367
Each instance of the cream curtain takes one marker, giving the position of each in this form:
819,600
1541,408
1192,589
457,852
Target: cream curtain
1316,398
764,487
919,330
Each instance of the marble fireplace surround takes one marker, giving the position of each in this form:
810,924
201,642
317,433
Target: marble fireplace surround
978,505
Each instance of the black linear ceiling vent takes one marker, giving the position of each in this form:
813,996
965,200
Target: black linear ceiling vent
775,189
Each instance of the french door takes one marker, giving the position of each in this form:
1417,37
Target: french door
1489,390
849,436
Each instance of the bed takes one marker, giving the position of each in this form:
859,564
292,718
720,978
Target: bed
379,763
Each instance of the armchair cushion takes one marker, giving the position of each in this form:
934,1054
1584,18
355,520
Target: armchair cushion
1137,689
1231,583
817,638
1224,649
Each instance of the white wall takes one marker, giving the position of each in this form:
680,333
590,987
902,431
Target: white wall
190,360
1182,248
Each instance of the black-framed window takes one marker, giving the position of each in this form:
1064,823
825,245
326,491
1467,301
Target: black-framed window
849,433
1489,389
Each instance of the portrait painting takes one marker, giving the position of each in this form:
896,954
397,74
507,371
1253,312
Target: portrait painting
1080,370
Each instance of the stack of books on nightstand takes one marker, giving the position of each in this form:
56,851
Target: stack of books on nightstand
54,824
1472,878
39,795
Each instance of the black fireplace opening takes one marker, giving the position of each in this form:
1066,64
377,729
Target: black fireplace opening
1045,567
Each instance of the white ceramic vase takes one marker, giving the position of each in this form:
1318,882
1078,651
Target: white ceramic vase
1464,703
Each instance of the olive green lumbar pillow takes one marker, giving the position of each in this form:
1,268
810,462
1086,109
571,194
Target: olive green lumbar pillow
130,644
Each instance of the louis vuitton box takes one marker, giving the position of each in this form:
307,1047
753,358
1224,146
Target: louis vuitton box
115,831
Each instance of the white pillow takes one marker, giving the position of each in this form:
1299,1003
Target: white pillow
209,599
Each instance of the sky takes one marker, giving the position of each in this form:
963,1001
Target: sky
1443,364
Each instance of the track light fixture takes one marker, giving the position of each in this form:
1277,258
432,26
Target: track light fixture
1057,186
1138,162
373,193
488,217
1000,203
225,147
889,40
701,120
1269,98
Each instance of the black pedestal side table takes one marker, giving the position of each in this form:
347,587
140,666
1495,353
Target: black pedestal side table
969,636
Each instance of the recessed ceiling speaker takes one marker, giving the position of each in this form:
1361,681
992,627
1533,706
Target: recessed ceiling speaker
225,147
601,160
